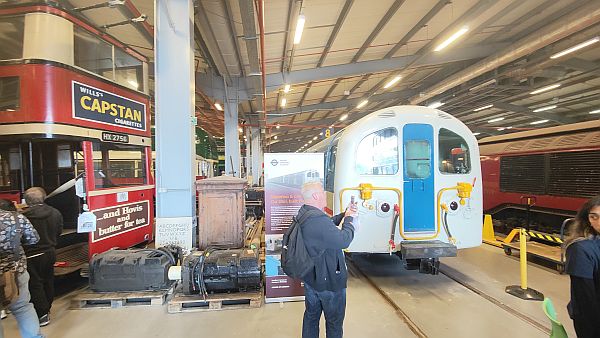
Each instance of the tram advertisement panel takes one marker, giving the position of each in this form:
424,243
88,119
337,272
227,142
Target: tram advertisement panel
285,173
97,105
113,221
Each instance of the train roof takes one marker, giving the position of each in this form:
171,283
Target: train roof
522,135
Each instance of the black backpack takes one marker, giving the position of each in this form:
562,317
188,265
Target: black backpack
295,260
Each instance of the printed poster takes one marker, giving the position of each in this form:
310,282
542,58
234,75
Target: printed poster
285,173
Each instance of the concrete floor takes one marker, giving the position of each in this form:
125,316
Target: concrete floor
438,305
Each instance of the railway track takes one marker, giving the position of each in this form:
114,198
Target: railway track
419,330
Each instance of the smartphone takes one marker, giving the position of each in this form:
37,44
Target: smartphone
352,199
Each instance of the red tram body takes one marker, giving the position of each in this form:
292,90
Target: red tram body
551,171
78,110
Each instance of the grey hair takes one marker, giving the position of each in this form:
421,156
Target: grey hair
34,195
309,188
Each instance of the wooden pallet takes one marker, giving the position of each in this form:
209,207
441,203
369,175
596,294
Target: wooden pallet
88,299
215,302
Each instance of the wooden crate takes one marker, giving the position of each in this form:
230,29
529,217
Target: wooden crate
214,302
88,299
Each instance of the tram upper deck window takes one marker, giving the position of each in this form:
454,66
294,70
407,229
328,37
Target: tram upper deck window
128,70
454,153
11,37
119,165
93,53
377,153
10,93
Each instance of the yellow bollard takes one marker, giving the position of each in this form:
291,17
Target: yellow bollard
522,291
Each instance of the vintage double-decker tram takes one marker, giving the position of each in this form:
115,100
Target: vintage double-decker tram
75,120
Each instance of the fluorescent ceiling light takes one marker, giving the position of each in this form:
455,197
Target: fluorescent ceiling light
283,102
362,104
496,119
343,117
278,126
321,134
275,137
475,134
575,48
597,111
501,129
299,29
218,106
314,138
544,108
392,82
436,104
545,89
309,141
539,122
286,88
484,107
451,39
485,84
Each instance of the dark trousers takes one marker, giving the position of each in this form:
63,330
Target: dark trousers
41,282
332,304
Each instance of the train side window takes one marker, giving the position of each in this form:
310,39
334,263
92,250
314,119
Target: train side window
10,93
12,31
119,165
417,159
377,153
330,166
454,155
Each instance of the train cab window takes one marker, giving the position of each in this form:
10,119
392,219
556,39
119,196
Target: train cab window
417,160
330,156
377,153
118,165
93,53
454,153
10,93
11,37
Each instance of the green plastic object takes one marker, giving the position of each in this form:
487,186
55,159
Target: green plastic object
558,330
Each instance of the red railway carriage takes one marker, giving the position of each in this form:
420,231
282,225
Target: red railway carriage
551,171
75,120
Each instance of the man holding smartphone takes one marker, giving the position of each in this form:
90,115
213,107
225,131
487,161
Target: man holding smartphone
325,286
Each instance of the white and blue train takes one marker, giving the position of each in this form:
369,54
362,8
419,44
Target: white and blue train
416,176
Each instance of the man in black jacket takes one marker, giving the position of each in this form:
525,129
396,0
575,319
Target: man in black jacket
48,222
325,286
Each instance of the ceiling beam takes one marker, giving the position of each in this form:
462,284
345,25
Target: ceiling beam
530,113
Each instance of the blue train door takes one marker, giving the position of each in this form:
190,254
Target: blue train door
418,194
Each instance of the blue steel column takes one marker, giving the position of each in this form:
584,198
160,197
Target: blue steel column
232,134
175,102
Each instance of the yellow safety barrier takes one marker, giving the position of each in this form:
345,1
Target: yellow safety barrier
522,291
488,235
544,236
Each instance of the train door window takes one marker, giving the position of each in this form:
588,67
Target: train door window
128,70
377,153
119,165
454,154
11,37
330,166
10,93
93,53
417,161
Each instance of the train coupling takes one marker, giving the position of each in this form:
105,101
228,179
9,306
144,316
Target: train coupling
425,255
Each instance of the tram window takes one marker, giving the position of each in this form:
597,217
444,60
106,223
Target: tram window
116,165
417,160
128,70
11,37
377,153
93,53
63,156
9,93
454,153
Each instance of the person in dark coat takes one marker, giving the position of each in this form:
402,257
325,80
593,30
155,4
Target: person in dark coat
41,257
583,266
325,286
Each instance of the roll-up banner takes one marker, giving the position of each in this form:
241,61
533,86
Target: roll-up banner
285,173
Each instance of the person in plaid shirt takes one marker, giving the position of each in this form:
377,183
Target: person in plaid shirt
16,229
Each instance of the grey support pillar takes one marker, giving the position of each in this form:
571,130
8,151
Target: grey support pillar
232,134
257,156
248,159
175,102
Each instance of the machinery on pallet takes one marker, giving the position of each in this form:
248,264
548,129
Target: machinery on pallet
213,271
132,270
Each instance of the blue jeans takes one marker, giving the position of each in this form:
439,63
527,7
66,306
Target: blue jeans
23,310
332,304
